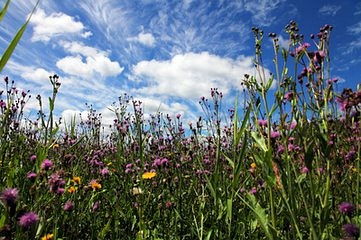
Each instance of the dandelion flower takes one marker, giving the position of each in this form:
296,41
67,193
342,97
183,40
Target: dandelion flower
48,237
76,180
72,189
95,185
148,175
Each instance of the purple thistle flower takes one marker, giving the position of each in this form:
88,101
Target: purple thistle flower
288,96
32,158
104,171
304,170
31,176
262,122
129,165
346,208
68,206
46,164
28,219
351,230
9,196
275,134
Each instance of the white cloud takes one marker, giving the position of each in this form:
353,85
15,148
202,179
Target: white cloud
355,29
262,9
37,75
191,75
55,24
95,62
283,42
146,39
329,10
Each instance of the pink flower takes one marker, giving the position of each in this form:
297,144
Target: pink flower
28,219
46,164
9,196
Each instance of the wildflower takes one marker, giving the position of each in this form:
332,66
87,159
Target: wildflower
253,165
28,219
56,183
168,204
253,191
346,208
76,180
46,164
288,96
68,206
148,175
104,171
48,237
129,165
95,206
32,158
55,146
9,196
304,170
72,189
275,134
31,176
262,122
351,230
293,125
95,185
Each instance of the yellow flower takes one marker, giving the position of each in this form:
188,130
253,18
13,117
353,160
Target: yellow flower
48,237
76,180
95,185
71,189
253,165
148,175
55,145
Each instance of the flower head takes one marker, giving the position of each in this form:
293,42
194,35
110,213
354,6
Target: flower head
95,185
148,175
46,164
346,208
351,230
48,237
68,206
76,180
28,219
9,196
31,175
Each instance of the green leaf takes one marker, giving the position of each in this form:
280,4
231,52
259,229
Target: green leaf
260,141
8,52
229,210
4,10
105,230
260,214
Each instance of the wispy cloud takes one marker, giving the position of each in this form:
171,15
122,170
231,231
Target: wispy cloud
262,10
329,10
355,29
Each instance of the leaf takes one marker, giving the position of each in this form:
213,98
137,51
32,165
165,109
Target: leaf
229,210
260,214
209,235
8,52
105,230
260,141
4,10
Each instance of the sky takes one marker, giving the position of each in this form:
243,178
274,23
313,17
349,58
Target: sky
166,53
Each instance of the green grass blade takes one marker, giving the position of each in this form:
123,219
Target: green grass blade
4,10
8,52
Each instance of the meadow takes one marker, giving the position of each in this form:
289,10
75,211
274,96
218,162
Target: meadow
282,163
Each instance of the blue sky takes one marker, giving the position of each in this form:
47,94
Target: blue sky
165,53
